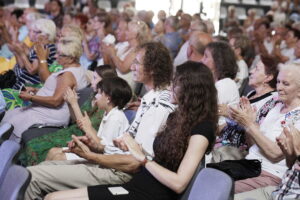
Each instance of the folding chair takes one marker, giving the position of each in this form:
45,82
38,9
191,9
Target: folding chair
212,184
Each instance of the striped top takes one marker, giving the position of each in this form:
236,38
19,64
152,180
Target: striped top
24,77
151,117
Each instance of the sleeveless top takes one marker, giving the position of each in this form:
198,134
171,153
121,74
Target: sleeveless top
60,114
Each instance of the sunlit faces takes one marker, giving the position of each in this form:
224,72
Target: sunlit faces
257,75
137,67
96,79
159,27
64,32
287,86
121,31
102,100
67,19
54,6
131,32
290,37
208,60
33,34
97,24
61,58
89,25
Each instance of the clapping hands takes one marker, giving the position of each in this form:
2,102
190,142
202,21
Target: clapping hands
126,142
244,114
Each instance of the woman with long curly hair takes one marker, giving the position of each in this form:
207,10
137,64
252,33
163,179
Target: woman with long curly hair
179,148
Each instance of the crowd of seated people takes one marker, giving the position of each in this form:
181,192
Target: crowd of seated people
202,93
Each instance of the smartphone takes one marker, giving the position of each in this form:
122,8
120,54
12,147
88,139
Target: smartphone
118,190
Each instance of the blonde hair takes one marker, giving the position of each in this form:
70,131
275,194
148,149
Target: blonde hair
46,26
70,46
74,31
143,32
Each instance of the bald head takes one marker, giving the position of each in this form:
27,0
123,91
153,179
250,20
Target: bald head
199,41
198,25
197,44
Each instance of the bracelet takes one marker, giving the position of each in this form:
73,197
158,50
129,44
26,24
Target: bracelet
43,61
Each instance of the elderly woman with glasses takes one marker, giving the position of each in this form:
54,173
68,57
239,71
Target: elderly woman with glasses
48,105
26,69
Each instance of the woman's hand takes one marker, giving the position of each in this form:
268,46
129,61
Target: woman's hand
31,90
40,50
84,123
25,96
134,148
70,96
223,110
94,145
120,143
296,139
285,142
108,49
244,114
11,47
14,32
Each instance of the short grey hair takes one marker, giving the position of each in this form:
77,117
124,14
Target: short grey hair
46,26
292,67
173,22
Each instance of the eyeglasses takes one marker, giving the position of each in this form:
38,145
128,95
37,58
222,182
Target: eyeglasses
62,55
37,31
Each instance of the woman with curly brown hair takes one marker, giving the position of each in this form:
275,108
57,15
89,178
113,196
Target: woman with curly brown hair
179,148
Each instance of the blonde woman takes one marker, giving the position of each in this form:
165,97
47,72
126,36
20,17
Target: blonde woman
137,33
48,106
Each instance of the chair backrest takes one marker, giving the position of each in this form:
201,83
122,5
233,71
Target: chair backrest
84,94
186,193
2,115
130,115
15,183
8,151
5,131
212,184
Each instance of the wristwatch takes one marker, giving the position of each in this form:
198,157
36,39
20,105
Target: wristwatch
43,61
146,159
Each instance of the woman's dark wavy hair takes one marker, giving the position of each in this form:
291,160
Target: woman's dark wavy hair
157,63
271,68
224,59
117,89
197,101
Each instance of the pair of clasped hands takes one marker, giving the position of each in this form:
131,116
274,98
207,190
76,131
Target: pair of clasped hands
85,145
243,112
